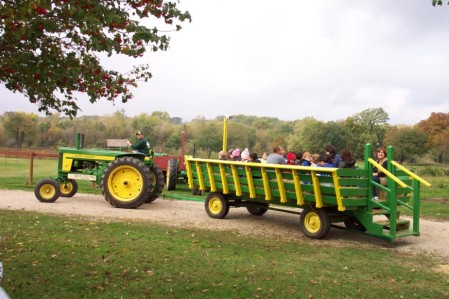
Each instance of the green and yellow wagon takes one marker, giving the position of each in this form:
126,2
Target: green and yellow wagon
323,197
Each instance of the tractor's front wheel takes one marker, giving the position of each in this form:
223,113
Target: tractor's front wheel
217,205
47,190
157,177
126,183
68,188
314,223
172,174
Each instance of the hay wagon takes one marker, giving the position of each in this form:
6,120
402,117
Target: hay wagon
323,197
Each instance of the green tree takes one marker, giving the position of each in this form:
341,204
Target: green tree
21,127
144,122
298,141
174,141
355,137
51,134
240,136
116,126
408,142
49,49
162,128
207,136
374,123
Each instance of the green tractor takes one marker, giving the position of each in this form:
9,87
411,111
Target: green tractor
127,179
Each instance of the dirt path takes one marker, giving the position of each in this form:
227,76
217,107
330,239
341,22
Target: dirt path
434,237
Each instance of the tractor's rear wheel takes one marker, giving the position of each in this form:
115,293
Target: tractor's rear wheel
158,183
314,223
126,183
217,205
68,188
47,190
172,174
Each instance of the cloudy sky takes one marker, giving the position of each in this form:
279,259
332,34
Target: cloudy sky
293,59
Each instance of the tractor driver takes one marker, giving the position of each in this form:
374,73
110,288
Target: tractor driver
141,145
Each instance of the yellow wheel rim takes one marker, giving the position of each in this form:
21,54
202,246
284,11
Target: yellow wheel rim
167,177
47,191
312,222
125,183
66,188
215,206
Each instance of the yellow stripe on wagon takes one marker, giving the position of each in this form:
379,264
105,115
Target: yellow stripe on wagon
224,180
337,192
249,176
210,172
200,175
317,190
189,174
280,185
298,189
235,175
266,183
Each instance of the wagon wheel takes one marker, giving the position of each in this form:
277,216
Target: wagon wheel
217,205
47,190
355,224
197,191
257,210
172,174
68,188
126,183
314,223
158,180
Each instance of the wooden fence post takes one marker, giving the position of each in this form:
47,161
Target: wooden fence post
30,181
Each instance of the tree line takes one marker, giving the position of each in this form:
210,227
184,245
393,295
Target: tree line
204,137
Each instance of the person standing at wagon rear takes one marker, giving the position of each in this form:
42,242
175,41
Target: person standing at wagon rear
141,145
378,176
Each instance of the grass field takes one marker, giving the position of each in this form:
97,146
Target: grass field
58,257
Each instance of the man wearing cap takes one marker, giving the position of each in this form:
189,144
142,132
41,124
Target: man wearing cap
141,145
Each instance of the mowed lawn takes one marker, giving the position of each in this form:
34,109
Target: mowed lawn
47,256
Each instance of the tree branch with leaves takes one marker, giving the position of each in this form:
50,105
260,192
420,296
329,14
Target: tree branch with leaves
49,49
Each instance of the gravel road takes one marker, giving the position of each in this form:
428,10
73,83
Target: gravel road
434,239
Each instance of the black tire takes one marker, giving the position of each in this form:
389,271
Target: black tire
68,188
217,205
197,191
126,183
158,183
355,224
172,174
314,223
257,210
47,190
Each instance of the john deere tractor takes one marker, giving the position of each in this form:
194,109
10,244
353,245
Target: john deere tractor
127,179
